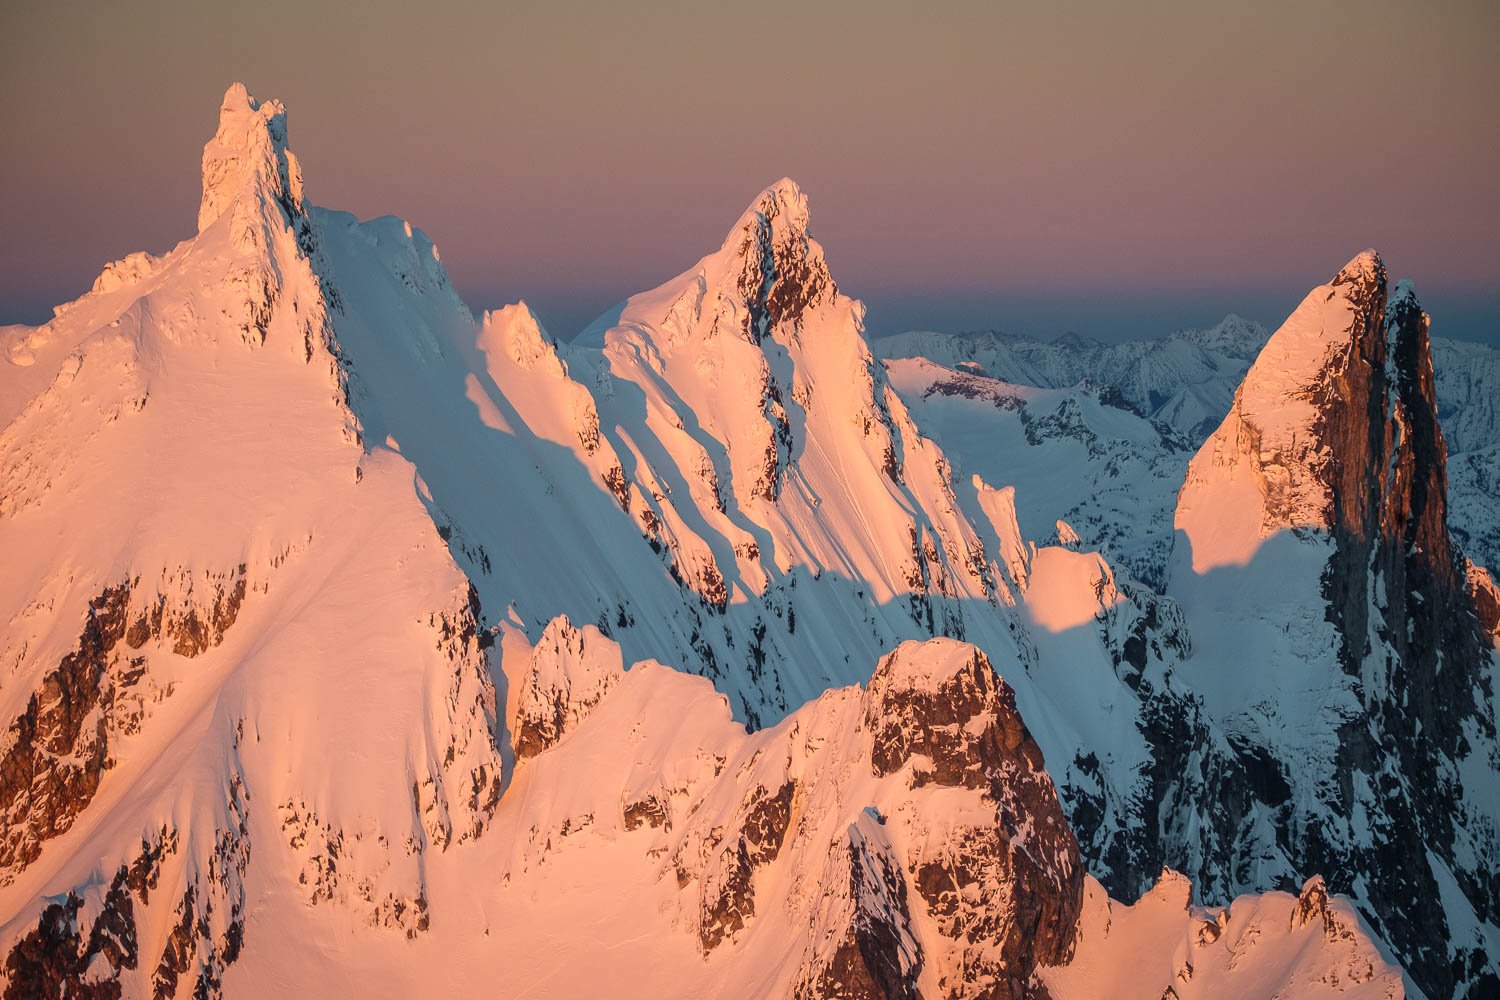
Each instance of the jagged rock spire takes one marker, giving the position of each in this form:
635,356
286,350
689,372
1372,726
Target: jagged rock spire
1327,480
1269,467
781,270
248,155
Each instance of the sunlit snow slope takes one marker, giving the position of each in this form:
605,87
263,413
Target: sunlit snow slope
321,595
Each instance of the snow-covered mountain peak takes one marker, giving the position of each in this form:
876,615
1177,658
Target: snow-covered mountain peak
778,268
925,665
1405,290
767,273
248,154
784,204
1266,468
1321,503
284,455
516,330
1365,271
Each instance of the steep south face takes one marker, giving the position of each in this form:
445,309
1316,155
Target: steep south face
1314,554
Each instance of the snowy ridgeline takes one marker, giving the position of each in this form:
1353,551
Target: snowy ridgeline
321,597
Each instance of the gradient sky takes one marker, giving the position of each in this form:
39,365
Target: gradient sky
1116,169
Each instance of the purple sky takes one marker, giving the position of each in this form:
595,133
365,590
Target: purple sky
1035,167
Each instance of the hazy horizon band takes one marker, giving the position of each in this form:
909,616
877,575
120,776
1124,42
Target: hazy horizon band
1118,173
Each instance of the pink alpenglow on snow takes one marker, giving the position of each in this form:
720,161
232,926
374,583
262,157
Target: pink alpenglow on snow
351,643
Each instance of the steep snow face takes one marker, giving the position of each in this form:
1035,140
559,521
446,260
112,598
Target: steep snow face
728,484
209,584
848,531
706,343
1334,625
575,480
290,413
759,388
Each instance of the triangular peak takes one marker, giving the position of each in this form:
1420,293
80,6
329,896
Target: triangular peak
768,272
1365,269
1265,470
516,331
782,207
777,267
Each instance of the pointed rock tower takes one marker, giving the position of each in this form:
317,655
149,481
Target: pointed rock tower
1336,636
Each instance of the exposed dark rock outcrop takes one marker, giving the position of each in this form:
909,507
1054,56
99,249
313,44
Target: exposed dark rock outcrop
571,670
783,274
1394,576
1007,900
59,747
649,811
729,891
54,960
728,900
